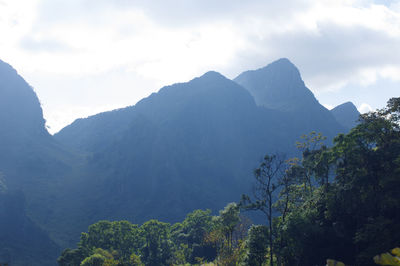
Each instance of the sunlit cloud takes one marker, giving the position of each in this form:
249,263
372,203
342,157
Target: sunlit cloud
364,108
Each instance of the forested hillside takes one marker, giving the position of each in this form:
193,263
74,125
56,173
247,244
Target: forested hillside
189,146
331,203
197,141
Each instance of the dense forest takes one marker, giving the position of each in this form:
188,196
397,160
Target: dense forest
337,201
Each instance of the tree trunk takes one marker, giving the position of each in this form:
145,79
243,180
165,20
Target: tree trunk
271,256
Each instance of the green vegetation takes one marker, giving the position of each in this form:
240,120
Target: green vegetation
198,238
337,202
389,259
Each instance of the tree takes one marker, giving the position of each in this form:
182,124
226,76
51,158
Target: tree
191,232
93,260
225,237
367,162
228,219
71,257
266,185
351,208
157,249
257,245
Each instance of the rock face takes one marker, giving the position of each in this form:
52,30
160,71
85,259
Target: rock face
30,161
346,114
20,113
27,149
279,86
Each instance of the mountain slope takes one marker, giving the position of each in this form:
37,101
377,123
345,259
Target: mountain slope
34,166
22,242
20,111
27,147
346,114
279,86
191,145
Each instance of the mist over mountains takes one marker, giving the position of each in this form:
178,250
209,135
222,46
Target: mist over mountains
191,145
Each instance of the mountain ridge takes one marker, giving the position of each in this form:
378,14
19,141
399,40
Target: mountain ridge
190,145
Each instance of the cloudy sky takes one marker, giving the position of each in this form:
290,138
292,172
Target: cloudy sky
87,56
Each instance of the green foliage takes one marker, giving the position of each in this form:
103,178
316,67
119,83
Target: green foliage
257,245
153,243
190,235
115,241
336,202
135,260
389,259
228,235
93,260
227,221
71,257
196,225
119,235
200,237
158,247
330,262
332,202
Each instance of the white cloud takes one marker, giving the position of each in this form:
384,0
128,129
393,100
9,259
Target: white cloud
328,106
364,108
334,43
58,119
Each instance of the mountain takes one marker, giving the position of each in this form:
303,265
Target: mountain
279,86
34,166
346,114
27,147
20,112
22,241
190,145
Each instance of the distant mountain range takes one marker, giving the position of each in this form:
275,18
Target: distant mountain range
191,145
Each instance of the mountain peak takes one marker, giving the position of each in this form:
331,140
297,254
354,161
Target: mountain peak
346,114
277,86
346,105
212,75
6,68
283,63
20,108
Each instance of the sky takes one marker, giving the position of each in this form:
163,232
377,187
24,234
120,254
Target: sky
83,57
